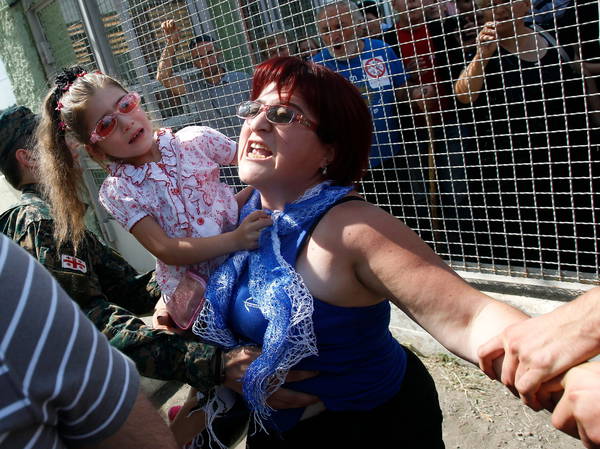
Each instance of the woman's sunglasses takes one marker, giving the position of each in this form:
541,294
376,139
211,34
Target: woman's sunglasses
107,124
277,114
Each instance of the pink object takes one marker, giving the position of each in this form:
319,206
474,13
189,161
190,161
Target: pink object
187,300
173,411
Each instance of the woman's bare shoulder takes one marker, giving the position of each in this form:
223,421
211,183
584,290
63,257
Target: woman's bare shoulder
364,216
364,227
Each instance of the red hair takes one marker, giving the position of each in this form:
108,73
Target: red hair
343,118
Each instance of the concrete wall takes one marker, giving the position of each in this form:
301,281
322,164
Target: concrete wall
24,70
20,56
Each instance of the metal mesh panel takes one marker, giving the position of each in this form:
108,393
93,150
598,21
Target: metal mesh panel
496,167
55,18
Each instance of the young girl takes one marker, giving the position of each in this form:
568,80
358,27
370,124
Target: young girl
163,187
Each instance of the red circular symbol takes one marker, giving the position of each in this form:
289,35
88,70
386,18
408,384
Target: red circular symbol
375,67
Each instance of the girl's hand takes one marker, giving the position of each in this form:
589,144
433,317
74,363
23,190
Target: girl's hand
487,40
162,320
235,364
248,231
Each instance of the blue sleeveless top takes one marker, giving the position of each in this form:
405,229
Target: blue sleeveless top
360,364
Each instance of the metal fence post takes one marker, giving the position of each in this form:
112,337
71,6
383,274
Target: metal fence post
92,20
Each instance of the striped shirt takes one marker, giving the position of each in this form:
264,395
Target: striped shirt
60,381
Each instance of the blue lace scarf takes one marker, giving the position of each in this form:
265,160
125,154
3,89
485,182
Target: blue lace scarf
279,293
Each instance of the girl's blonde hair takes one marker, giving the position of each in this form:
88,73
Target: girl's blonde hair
63,112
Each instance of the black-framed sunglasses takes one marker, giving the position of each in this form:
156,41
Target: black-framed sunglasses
277,114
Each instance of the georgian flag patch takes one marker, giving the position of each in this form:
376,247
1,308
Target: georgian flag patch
73,263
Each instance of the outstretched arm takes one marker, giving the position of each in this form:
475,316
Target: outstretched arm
391,261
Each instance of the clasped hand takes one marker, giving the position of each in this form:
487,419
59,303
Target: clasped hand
236,363
539,358
537,350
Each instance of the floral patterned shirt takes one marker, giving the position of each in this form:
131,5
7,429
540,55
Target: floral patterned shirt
182,192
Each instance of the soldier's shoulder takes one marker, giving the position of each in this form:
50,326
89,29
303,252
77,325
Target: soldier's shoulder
18,218
30,209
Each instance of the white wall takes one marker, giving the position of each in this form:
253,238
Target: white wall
8,195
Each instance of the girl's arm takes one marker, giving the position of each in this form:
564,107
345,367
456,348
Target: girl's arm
190,250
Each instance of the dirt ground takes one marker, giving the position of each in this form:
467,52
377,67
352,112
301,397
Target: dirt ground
482,414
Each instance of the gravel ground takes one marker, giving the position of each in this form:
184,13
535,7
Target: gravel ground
482,414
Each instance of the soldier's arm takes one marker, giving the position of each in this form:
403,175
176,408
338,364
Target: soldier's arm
121,283
73,271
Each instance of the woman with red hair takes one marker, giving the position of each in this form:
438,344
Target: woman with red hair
316,294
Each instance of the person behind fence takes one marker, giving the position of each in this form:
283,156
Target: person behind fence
577,30
537,354
439,140
537,131
373,67
209,89
62,384
308,47
462,30
276,44
109,290
316,294
376,27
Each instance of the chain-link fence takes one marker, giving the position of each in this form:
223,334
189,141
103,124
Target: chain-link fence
486,112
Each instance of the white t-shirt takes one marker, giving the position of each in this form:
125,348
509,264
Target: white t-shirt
202,206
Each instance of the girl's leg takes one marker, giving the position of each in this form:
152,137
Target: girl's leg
185,427
228,429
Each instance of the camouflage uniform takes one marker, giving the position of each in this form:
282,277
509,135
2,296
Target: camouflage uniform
107,288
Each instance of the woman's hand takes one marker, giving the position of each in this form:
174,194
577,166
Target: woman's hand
487,40
248,231
236,363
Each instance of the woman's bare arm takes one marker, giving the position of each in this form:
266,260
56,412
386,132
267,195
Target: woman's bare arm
388,260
